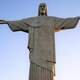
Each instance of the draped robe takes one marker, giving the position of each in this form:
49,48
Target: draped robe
41,43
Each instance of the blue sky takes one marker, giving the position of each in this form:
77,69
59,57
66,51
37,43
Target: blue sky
14,55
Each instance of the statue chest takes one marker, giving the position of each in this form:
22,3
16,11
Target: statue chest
42,36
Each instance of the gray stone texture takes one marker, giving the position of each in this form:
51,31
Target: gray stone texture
41,43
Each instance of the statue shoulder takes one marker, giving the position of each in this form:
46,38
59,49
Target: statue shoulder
39,20
33,21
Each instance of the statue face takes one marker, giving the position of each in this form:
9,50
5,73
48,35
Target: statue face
42,9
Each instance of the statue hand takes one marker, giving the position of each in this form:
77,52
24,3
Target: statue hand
3,22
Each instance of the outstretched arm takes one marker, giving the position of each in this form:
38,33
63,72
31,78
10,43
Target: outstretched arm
66,23
19,25
70,23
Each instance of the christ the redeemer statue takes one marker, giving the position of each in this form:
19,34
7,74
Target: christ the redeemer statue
41,31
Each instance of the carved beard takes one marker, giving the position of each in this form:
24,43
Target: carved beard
43,13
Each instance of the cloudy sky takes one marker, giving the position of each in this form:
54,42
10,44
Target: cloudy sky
14,55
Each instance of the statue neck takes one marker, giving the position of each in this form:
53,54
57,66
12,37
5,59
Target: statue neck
42,15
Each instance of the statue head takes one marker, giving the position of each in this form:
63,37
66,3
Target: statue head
42,10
